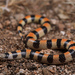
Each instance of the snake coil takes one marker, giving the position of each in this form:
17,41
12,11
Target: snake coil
33,43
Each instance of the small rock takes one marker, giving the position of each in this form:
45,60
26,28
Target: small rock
63,16
19,16
54,21
61,27
52,71
69,35
73,31
17,70
68,25
28,28
1,27
14,23
46,72
62,32
7,22
21,70
31,66
1,49
74,25
1,66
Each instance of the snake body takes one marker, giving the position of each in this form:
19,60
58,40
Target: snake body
33,43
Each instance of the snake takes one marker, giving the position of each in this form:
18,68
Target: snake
35,45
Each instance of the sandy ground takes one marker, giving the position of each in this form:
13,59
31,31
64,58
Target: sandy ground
62,16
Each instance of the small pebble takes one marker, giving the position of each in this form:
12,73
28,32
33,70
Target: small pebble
14,23
61,27
46,72
62,32
19,16
63,16
21,70
1,66
74,25
52,71
69,35
31,66
7,22
1,49
1,26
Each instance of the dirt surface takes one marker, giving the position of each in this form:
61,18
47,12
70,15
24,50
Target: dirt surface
61,14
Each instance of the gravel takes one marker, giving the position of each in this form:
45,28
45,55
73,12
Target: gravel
63,19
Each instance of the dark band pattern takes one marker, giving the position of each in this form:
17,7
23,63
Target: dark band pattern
33,43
